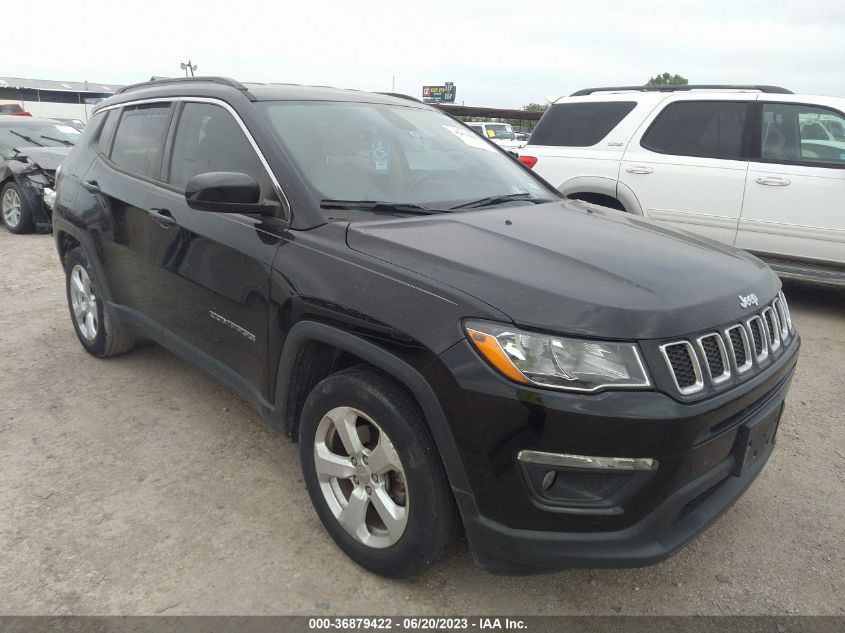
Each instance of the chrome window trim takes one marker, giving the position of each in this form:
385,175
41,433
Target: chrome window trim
774,345
567,460
764,338
726,364
749,350
282,196
696,367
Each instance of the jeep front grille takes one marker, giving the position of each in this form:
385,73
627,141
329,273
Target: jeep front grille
732,351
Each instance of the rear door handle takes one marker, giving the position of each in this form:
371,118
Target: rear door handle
162,217
91,185
773,181
639,169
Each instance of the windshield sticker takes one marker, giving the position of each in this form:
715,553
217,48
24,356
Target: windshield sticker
67,129
469,138
416,139
381,156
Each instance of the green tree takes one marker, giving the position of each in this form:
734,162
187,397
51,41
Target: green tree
536,107
667,80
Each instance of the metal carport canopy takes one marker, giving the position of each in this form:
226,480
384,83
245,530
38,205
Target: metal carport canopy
488,113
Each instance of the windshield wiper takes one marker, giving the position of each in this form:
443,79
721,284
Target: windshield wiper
377,205
59,140
507,197
28,139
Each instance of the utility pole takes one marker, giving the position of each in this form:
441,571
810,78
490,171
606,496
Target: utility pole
393,83
187,67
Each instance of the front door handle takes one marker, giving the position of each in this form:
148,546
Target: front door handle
639,169
91,185
162,217
773,181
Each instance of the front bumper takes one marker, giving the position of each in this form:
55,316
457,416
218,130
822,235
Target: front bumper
40,194
511,528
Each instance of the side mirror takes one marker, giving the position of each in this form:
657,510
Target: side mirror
226,192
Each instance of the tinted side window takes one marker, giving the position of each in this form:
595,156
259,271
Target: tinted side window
579,124
711,129
802,133
209,139
107,131
139,140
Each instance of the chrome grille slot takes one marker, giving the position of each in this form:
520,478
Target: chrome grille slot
758,336
740,349
715,357
781,314
785,307
772,328
683,366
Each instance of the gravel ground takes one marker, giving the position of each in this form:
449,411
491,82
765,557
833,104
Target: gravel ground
138,485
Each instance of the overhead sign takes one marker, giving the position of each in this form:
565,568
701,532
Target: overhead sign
439,94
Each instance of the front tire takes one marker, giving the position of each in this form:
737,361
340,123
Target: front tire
374,475
99,333
14,208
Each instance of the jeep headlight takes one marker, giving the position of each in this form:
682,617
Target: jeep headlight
559,362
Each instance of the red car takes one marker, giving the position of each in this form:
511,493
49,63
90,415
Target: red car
14,109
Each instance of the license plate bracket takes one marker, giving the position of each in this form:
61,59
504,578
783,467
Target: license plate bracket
755,439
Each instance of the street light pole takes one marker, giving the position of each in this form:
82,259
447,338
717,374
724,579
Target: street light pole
187,67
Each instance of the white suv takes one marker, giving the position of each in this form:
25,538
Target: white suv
754,166
501,134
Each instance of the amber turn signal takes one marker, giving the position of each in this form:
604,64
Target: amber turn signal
495,355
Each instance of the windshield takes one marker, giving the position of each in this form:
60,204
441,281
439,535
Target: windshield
15,136
500,130
391,153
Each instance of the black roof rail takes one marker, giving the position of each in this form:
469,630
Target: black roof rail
223,81
680,88
399,95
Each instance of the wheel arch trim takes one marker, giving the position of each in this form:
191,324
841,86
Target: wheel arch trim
592,184
629,199
303,332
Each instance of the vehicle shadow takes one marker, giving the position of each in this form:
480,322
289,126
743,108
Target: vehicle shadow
821,298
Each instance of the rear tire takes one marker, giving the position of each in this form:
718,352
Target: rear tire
14,208
98,331
374,475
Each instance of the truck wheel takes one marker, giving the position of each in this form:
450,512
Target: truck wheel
15,209
374,474
99,333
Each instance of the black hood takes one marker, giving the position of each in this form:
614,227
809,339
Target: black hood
47,158
570,268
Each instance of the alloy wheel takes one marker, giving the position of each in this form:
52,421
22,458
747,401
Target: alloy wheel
84,302
11,208
361,477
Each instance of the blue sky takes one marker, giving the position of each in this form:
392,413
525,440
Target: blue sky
502,54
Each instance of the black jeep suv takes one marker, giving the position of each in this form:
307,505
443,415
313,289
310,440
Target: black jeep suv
451,342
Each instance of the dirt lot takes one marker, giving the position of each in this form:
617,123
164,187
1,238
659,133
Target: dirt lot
138,485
